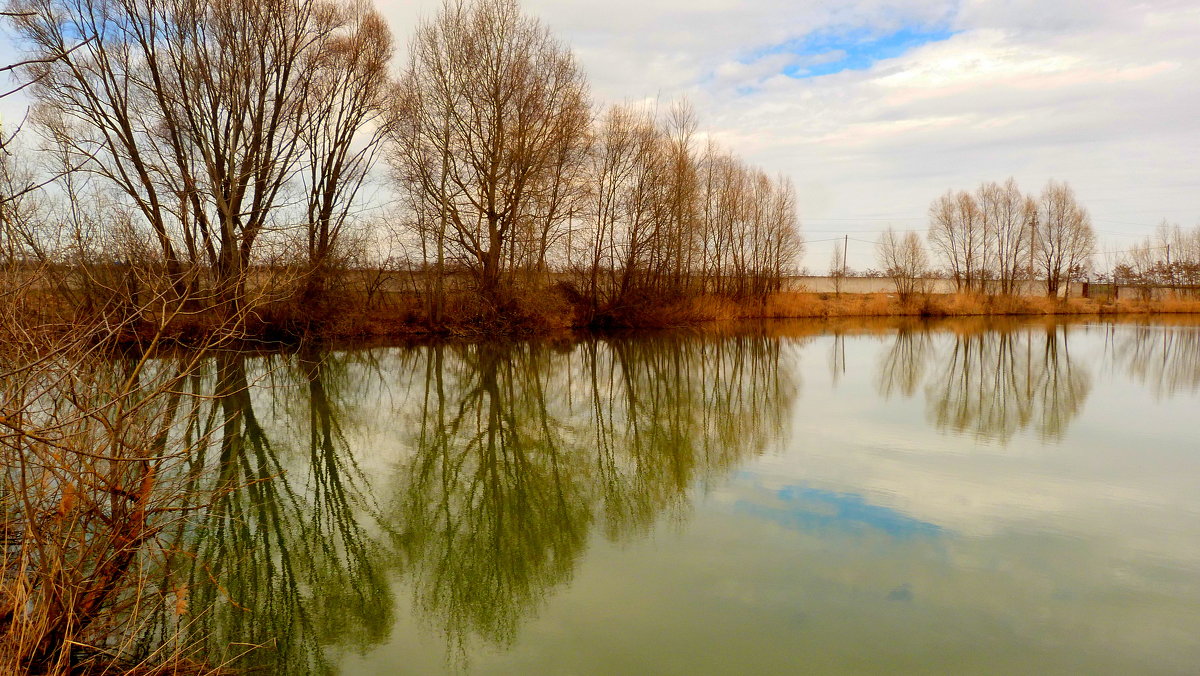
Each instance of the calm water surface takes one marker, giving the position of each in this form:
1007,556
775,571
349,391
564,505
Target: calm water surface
964,497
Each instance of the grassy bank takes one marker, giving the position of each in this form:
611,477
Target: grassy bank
813,305
554,312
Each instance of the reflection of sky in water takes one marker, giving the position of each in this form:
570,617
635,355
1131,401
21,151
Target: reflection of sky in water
812,509
951,504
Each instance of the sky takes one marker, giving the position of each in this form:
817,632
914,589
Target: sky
875,108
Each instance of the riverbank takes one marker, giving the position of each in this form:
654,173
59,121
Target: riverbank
804,305
556,311
555,314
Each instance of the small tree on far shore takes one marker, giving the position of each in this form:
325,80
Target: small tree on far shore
837,267
903,258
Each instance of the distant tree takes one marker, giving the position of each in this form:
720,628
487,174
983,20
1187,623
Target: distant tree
837,266
1007,221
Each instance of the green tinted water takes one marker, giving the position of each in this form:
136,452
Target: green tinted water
966,498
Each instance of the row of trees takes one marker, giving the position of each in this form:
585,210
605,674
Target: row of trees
507,177
995,237
206,140
1170,258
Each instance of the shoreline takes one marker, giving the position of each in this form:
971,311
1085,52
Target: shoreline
702,313
709,310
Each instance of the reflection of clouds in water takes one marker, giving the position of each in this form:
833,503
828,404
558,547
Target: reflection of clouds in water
1111,476
504,462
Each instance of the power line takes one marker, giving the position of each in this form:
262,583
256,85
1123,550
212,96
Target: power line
1148,248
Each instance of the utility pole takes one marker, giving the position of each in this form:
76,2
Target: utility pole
846,245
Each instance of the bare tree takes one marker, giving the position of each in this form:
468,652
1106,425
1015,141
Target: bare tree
904,260
1065,240
343,135
486,113
203,115
1006,221
1169,258
837,266
957,235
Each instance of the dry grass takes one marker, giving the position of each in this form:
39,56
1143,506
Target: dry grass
352,314
801,305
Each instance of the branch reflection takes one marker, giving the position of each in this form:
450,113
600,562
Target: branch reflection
278,563
512,457
521,451
1165,359
990,383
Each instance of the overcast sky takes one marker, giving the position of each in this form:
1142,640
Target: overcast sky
874,108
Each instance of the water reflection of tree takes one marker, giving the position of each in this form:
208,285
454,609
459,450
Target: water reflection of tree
274,549
521,450
1164,358
279,557
902,367
991,383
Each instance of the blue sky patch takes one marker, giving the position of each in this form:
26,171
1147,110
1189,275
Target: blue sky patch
829,52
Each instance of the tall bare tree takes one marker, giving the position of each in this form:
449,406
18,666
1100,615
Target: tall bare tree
1007,221
487,109
958,237
344,133
204,115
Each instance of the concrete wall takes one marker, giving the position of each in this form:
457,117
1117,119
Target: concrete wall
1156,292
885,285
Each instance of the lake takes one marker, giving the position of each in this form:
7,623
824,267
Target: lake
966,496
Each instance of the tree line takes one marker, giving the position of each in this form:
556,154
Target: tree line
993,239
1168,258
220,154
